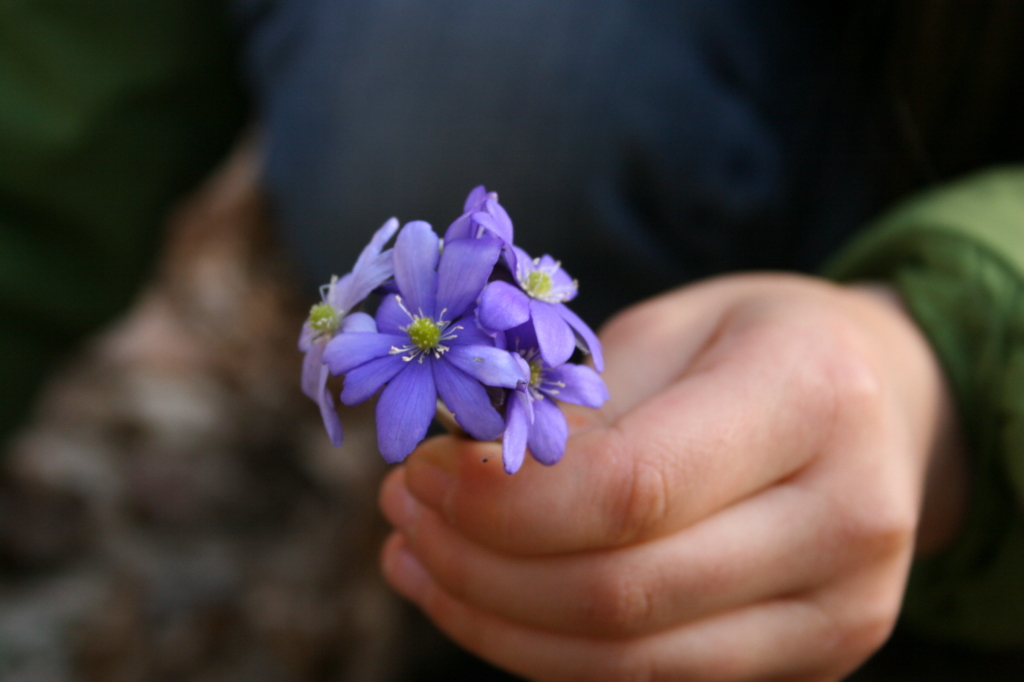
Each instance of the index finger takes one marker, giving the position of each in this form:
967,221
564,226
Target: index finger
753,410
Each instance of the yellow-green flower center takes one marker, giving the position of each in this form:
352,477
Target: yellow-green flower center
536,369
538,284
425,333
323,319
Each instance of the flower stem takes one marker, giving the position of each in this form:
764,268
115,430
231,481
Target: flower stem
447,420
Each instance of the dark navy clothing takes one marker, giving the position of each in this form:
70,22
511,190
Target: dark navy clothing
644,144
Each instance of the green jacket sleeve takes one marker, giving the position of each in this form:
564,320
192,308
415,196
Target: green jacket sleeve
957,256
109,109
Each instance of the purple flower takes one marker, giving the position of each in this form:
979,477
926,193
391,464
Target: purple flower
532,417
542,287
338,299
425,343
481,215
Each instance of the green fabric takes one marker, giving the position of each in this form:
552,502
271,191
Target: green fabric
957,256
109,109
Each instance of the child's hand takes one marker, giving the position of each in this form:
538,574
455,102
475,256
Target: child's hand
745,506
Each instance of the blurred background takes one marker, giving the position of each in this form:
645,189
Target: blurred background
176,178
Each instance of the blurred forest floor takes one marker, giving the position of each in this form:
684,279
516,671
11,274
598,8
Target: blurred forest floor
174,510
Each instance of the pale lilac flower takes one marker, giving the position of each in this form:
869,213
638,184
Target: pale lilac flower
481,215
539,294
427,344
326,318
531,415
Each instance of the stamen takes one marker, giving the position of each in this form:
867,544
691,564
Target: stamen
536,373
426,335
325,289
398,300
324,319
539,282
551,387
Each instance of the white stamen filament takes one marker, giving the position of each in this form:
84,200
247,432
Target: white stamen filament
414,349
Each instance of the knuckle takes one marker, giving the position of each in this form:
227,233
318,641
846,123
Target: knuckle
872,634
891,531
616,605
872,627
878,528
830,378
642,503
850,379
455,579
860,622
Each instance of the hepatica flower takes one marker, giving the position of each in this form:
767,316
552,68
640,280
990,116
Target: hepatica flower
539,295
481,215
490,339
426,344
326,318
532,417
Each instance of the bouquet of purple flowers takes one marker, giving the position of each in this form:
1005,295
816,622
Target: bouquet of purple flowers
471,320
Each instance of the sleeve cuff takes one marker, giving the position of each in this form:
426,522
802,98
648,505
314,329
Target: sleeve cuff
957,256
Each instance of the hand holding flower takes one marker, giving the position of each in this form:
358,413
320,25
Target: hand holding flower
744,507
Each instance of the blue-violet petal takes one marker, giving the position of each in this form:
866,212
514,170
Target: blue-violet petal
503,306
391,319
580,385
359,322
346,351
328,413
554,337
312,366
468,401
590,342
502,223
405,410
477,197
462,273
363,381
416,254
372,267
488,365
548,433
513,443
466,332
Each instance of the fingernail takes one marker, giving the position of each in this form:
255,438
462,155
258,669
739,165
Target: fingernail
404,571
398,505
